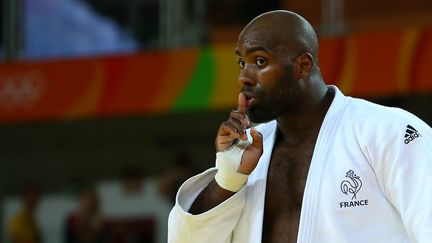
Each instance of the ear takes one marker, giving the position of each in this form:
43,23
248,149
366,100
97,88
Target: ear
303,65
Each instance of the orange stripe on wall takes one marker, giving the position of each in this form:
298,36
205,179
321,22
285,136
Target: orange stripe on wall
114,68
42,90
181,64
348,66
331,57
225,92
377,60
87,104
406,57
421,74
133,83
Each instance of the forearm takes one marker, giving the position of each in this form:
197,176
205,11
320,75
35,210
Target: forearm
185,225
226,182
210,197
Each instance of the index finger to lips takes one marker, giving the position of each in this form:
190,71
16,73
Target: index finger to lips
242,103
238,117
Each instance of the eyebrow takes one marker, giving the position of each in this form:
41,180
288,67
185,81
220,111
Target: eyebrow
252,49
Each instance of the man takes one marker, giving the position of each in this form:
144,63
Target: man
23,226
322,167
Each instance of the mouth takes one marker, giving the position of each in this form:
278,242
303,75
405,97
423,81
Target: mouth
251,99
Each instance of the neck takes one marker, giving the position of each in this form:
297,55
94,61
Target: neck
296,126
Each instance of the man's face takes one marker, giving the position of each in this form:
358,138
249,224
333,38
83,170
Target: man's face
267,77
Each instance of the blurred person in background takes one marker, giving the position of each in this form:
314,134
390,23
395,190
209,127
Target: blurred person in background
174,175
132,207
23,226
85,225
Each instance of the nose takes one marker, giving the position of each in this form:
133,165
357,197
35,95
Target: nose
246,77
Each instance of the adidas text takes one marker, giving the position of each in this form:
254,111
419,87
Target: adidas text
412,137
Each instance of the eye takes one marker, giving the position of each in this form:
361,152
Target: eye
260,61
241,63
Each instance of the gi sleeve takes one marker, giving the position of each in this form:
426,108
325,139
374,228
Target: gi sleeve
215,225
404,169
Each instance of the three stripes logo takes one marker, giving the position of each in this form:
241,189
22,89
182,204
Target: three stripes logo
411,134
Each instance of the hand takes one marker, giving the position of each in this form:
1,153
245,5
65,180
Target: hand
234,129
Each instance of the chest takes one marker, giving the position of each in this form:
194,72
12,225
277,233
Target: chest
286,181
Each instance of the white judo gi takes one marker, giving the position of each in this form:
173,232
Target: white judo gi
370,180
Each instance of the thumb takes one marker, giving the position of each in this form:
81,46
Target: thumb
252,154
257,139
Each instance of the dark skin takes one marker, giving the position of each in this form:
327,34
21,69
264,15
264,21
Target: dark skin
281,80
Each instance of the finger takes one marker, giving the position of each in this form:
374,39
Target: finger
242,103
228,129
242,107
227,135
241,122
226,141
240,128
240,117
257,139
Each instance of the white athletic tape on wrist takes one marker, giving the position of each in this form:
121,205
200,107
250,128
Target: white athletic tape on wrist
227,163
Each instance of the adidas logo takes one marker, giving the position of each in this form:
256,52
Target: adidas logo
411,134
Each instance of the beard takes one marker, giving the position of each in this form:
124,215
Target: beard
283,99
272,107
264,111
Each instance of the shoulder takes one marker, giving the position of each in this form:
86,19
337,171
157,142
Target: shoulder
363,114
381,122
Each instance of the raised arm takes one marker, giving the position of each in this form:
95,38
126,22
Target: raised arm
220,188
236,158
